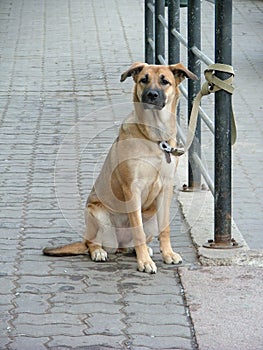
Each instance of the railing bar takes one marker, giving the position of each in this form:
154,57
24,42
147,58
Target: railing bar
206,119
183,91
194,49
198,53
151,42
181,134
198,161
179,37
163,21
151,7
204,172
162,60
159,30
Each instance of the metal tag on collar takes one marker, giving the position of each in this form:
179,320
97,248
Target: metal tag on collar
165,147
167,150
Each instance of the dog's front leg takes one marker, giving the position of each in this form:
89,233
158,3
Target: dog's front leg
163,215
145,263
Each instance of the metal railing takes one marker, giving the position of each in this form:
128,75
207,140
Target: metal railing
156,26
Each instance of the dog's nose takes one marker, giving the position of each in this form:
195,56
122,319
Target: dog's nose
153,94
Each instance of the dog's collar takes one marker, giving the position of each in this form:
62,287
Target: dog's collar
168,150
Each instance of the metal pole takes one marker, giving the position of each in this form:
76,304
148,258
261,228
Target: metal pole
173,42
148,18
173,23
194,65
159,31
223,158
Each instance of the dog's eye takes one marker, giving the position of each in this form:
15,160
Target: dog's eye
164,81
144,80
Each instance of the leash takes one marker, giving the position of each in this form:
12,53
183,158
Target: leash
212,85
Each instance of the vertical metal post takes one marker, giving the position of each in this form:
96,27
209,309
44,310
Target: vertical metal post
173,42
194,65
223,158
149,34
173,23
159,31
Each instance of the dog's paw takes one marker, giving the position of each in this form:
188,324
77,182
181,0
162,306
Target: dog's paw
99,255
147,266
172,258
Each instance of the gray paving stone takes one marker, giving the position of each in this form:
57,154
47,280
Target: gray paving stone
48,319
86,308
156,309
32,303
44,330
171,342
80,298
105,324
3,342
23,342
87,342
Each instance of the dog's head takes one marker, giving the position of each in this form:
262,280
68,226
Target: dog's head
155,85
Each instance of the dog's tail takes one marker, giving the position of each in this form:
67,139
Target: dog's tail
77,248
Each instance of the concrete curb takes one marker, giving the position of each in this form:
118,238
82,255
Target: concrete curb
197,208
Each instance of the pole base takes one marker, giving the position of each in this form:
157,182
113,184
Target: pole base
222,245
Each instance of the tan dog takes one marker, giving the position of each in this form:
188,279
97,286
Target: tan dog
136,181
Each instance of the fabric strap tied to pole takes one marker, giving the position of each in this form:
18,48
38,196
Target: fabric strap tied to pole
212,85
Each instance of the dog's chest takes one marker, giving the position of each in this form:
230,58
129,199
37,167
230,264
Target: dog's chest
156,175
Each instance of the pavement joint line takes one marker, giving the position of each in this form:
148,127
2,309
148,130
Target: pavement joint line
187,310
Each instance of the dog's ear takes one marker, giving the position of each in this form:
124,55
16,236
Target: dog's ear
133,71
180,72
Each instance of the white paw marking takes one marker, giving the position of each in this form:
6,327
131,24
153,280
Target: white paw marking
147,266
99,255
172,258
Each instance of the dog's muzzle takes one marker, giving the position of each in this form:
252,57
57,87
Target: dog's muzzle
153,99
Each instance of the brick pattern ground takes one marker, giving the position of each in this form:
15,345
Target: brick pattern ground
62,60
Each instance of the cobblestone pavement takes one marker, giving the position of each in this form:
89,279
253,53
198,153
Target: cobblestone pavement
61,60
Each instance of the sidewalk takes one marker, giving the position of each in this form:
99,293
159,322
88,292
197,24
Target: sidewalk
60,62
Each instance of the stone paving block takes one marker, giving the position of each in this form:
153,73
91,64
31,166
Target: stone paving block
38,267
86,308
47,330
22,342
153,299
155,309
32,303
87,342
49,319
153,342
7,284
157,331
161,319
80,298
105,324
47,284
